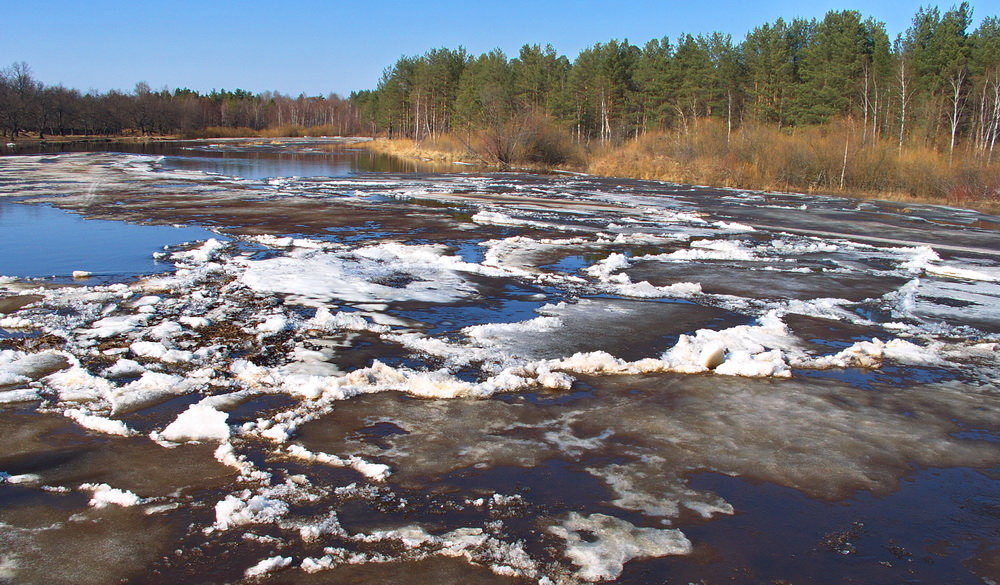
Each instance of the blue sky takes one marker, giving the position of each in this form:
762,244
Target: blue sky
315,47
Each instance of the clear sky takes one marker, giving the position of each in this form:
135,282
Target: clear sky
316,47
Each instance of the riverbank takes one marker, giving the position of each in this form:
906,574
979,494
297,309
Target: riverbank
442,150
760,159
763,159
55,139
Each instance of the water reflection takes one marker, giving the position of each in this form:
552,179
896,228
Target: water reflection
250,158
41,241
258,167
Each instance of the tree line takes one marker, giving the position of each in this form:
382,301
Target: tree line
937,83
27,106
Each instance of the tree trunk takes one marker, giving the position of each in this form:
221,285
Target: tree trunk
605,125
902,104
867,106
843,169
956,102
729,115
994,119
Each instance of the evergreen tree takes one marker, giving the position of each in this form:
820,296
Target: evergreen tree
540,77
603,90
692,72
878,75
436,77
655,85
394,97
771,54
938,47
486,95
727,77
832,69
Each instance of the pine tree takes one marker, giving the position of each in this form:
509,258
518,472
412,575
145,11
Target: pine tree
603,90
771,54
727,77
486,95
539,77
832,69
938,47
656,90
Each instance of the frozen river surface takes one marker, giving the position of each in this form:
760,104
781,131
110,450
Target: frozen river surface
354,376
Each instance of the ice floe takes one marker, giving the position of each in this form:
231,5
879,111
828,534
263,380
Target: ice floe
247,508
200,422
97,423
372,275
612,542
268,565
103,495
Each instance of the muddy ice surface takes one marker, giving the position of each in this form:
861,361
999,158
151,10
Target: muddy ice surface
386,377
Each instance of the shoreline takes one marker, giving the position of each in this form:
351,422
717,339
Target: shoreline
416,151
408,149
25,140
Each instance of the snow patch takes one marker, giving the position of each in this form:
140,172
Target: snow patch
209,250
200,422
268,565
103,495
601,545
98,423
14,322
247,508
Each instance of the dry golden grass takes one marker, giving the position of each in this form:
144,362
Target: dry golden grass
221,132
529,140
807,160
446,149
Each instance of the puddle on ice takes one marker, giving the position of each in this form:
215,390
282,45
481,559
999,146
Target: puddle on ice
754,282
261,168
627,329
886,376
509,304
392,377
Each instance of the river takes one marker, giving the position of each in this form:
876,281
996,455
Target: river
294,361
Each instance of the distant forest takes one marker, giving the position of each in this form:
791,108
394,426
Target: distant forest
938,82
29,106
